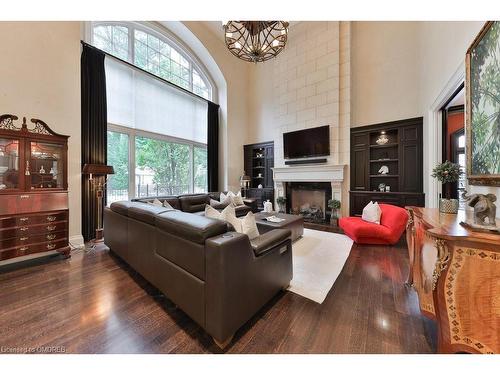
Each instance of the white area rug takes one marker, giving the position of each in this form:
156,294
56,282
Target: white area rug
318,258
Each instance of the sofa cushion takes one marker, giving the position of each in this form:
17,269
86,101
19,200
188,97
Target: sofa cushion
121,207
145,212
195,228
194,202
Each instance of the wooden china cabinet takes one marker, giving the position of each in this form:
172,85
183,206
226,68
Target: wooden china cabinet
33,189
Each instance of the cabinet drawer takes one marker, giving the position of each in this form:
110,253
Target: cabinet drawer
31,239
29,230
33,249
26,203
45,218
8,222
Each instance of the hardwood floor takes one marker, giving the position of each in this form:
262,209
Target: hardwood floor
95,303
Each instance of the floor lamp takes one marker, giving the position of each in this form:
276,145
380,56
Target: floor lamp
98,185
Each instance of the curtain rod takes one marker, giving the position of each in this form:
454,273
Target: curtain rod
146,72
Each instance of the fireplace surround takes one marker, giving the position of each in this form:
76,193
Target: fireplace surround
325,178
310,200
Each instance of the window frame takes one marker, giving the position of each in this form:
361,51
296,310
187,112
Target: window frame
133,133
164,35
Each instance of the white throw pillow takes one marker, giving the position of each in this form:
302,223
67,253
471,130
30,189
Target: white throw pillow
156,202
249,226
167,205
229,215
212,212
237,199
372,213
225,199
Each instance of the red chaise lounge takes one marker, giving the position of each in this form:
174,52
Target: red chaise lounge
388,232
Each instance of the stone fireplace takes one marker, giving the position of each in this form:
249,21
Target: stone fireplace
309,199
308,189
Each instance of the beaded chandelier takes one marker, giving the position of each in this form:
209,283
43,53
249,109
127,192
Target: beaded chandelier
255,41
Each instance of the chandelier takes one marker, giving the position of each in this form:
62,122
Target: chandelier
255,41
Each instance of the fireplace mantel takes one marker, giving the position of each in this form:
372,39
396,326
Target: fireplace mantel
309,173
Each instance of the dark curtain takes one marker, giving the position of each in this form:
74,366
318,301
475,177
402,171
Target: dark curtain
213,147
94,130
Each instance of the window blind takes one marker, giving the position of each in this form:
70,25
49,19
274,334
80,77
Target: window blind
139,101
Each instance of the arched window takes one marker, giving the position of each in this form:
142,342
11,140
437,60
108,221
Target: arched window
152,51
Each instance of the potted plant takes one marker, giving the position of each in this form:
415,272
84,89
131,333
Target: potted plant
334,205
447,173
281,201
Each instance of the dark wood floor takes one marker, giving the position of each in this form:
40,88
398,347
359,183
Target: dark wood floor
94,303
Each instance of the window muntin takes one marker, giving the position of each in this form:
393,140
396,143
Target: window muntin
152,52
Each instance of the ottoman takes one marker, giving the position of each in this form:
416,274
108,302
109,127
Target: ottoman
293,222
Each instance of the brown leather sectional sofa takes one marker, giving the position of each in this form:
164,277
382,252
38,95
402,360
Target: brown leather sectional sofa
219,278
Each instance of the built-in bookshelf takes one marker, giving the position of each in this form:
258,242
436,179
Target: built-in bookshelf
386,164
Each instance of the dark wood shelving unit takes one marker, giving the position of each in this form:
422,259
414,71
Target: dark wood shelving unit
259,159
403,156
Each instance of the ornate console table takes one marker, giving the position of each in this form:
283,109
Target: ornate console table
456,274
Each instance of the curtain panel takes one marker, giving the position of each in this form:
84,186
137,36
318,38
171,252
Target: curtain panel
94,130
213,147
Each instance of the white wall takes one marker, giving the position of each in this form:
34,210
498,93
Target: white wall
306,85
442,48
384,72
399,70
40,78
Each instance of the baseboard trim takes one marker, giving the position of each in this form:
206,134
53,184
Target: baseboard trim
76,242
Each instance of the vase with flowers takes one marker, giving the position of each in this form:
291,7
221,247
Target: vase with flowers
447,173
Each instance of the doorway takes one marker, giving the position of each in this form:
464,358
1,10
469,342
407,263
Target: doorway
453,139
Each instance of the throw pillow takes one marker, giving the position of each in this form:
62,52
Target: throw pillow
217,204
167,205
229,215
249,226
225,198
156,202
372,213
212,212
236,199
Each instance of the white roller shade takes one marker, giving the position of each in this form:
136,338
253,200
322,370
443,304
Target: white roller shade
137,100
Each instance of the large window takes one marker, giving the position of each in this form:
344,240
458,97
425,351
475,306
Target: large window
152,52
157,133
160,165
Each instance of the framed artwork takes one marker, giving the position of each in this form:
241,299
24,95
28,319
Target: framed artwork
482,123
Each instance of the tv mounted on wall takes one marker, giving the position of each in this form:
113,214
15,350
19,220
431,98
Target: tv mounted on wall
307,143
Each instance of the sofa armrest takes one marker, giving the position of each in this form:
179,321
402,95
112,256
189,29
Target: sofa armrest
252,203
238,283
269,240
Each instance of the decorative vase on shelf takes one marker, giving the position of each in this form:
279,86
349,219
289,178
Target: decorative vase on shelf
448,206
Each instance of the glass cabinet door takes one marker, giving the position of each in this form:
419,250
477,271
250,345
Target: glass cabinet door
9,164
45,167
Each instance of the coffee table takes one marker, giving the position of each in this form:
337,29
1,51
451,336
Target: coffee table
293,222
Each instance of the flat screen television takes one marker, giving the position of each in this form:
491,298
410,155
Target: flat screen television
307,143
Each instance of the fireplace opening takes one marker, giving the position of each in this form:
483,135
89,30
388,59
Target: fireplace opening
310,200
